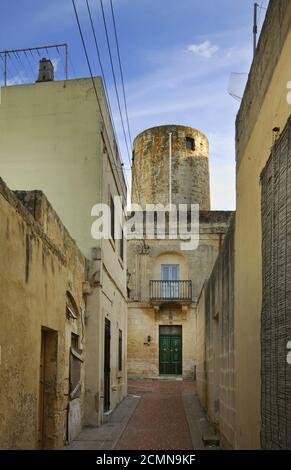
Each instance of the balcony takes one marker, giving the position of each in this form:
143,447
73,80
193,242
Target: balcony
171,291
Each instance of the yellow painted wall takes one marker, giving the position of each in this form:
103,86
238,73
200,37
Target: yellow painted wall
252,154
143,320
34,277
53,138
143,358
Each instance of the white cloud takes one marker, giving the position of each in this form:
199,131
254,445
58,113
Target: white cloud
205,49
175,91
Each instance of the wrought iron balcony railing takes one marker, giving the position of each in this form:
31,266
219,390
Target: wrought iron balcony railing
171,291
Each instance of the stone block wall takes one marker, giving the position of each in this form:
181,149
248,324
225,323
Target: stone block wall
215,343
37,278
190,169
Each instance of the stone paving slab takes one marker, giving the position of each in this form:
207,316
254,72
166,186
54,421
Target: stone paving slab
197,421
106,436
156,415
159,421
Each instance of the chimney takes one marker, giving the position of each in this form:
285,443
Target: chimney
46,71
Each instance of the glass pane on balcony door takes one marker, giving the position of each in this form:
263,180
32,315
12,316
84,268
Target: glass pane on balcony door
170,274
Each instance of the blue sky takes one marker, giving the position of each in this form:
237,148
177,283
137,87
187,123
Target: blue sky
177,56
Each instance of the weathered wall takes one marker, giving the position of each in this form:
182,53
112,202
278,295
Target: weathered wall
53,138
215,343
108,299
190,171
144,265
143,321
264,106
36,273
200,349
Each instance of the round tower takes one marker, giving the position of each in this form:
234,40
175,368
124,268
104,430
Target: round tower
171,157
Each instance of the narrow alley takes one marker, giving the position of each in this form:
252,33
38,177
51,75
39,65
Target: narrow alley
145,236
156,415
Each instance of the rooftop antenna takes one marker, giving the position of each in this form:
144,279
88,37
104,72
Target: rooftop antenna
4,55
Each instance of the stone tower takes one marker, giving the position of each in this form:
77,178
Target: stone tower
189,168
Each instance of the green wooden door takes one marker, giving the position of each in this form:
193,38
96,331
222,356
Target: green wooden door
170,354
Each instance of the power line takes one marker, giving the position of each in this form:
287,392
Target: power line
121,71
134,180
137,187
30,66
91,73
16,54
72,66
104,81
101,69
21,57
16,69
94,86
114,77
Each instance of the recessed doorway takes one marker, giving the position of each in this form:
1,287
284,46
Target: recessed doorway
170,350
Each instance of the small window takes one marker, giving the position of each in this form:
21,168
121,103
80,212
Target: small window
190,143
72,311
120,351
112,214
121,247
75,367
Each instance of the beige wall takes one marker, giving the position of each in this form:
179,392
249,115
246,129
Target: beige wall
190,168
39,264
264,107
145,265
143,321
215,354
53,138
145,317
200,350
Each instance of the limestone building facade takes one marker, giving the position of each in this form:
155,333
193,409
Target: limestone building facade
55,138
42,325
165,281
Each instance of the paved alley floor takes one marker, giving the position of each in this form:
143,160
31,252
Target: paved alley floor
156,415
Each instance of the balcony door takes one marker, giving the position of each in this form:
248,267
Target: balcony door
170,275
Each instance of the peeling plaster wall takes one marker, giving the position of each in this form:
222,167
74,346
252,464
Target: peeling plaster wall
215,351
53,138
35,275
